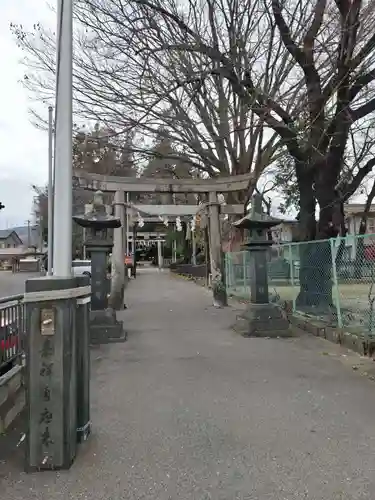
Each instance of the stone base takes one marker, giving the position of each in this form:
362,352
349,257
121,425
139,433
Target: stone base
105,329
262,320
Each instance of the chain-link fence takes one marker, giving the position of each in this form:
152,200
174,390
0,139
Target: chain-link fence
331,280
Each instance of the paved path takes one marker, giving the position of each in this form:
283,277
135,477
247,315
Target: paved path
188,410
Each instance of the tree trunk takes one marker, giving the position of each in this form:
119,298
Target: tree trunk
307,231
316,258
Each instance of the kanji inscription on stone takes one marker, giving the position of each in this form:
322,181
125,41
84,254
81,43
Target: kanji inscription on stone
47,351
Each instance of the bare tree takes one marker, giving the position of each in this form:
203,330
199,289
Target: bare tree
333,93
126,73
358,163
333,52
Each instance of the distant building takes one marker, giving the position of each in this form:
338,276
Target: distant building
285,232
353,215
9,239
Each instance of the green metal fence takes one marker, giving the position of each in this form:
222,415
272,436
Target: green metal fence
331,280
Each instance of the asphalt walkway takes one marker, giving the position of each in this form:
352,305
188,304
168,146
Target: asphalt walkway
188,410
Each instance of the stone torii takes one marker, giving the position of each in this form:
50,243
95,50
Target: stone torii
210,187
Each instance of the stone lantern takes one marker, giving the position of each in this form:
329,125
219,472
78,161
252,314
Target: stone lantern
261,318
104,327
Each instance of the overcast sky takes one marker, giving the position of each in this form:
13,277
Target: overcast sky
24,159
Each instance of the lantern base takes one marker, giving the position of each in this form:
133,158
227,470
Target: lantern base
105,329
262,320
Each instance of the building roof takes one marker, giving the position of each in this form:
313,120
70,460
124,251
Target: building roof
356,208
5,233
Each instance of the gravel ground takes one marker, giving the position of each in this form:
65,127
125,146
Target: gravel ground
187,409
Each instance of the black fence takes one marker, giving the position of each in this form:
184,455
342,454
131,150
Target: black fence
12,329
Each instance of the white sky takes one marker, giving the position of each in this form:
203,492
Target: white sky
24,159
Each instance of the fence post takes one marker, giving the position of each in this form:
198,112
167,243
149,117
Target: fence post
291,266
336,292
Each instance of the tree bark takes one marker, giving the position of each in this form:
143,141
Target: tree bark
307,232
316,256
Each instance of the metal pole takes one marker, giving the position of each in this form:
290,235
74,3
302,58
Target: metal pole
292,281
50,189
40,243
62,230
336,291
28,234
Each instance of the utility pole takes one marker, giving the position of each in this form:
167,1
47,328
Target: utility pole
40,245
50,190
28,233
62,217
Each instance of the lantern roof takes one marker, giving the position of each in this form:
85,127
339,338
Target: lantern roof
97,218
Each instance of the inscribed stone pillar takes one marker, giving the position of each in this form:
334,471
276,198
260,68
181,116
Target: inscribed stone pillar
51,372
216,258
116,299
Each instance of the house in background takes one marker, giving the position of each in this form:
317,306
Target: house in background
353,216
9,239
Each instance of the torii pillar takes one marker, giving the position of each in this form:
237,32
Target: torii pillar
116,298
216,253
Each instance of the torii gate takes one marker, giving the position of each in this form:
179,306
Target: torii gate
211,187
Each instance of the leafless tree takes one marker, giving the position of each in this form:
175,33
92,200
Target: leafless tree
127,74
332,46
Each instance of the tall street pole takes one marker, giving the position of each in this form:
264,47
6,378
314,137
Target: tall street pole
62,226
50,189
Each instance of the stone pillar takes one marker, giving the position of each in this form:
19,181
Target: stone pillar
174,251
116,299
99,300
194,249
51,371
258,261
160,255
216,257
